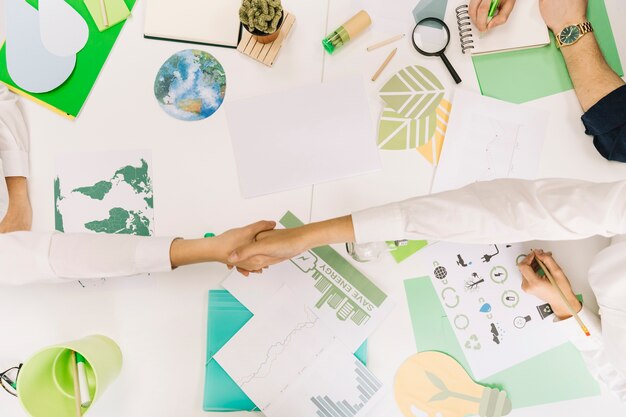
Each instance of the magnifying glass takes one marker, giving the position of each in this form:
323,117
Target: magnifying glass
431,36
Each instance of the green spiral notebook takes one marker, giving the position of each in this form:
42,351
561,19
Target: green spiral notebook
226,317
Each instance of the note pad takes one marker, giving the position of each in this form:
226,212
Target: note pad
304,136
214,22
117,11
524,29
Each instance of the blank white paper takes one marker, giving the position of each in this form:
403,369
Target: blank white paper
487,139
305,136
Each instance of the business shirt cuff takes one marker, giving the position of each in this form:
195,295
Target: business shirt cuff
15,163
378,224
572,330
153,255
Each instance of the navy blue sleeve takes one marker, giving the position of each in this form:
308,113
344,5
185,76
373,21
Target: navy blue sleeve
606,121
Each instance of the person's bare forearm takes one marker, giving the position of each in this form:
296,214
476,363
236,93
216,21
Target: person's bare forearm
193,251
17,188
592,77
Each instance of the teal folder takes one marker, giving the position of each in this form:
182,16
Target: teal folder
226,317
557,375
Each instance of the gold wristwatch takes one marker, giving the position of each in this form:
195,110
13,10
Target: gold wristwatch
571,34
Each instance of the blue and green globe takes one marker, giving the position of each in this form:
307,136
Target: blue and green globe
190,85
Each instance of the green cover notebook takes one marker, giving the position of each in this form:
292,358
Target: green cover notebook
557,375
69,98
226,317
521,76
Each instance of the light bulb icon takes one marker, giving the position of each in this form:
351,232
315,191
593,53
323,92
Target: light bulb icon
432,384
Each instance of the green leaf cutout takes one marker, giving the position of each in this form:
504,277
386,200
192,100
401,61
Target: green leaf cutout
436,381
412,92
399,133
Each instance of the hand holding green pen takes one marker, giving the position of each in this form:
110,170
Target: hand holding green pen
488,14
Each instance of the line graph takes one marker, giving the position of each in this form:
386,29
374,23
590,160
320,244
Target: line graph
277,348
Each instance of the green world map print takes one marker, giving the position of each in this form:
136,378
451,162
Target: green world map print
104,192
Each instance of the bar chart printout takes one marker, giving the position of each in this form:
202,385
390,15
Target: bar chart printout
367,384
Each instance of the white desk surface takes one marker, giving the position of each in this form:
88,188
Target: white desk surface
160,323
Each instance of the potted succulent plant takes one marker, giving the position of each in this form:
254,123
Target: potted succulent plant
262,18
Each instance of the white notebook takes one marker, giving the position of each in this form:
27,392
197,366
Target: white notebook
211,22
524,29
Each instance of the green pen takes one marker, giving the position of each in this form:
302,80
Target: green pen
492,9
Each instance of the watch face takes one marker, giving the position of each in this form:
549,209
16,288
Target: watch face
569,35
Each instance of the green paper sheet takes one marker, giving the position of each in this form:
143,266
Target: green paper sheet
69,98
226,317
402,253
521,76
557,375
117,11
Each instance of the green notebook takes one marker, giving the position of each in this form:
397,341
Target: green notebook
226,317
521,76
69,98
557,375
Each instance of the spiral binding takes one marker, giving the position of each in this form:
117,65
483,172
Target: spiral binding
465,27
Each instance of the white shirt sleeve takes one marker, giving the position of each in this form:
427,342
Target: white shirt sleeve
596,354
13,136
28,257
501,211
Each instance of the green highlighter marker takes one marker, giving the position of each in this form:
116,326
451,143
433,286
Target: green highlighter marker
85,395
492,9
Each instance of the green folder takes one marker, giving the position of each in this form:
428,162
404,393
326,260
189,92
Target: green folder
226,317
557,375
69,98
529,74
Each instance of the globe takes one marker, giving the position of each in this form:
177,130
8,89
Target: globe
440,272
190,85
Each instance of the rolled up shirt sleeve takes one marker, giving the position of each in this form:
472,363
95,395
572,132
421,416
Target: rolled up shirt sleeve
606,122
501,211
14,140
597,348
28,257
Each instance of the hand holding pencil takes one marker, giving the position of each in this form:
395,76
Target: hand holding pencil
544,278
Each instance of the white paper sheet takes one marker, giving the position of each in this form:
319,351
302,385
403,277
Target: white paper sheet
349,304
308,135
64,32
495,322
488,139
31,66
289,364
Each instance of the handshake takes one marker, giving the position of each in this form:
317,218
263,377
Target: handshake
255,247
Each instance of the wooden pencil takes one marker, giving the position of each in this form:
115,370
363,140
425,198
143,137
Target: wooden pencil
103,11
567,304
76,386
385,42
384,65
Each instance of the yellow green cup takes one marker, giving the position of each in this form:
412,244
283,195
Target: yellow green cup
45,386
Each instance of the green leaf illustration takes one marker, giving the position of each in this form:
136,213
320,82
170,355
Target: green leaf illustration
436,381
439,397
396,132
413,92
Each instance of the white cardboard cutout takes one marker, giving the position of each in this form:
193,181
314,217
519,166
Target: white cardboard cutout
64,32
30,65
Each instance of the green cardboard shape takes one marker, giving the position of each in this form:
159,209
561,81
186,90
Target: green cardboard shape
69,98
529,74
557,375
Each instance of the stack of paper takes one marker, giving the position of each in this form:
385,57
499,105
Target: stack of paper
294,356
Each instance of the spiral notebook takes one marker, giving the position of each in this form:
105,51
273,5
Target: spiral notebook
524,29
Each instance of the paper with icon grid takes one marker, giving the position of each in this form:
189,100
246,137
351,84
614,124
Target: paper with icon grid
494,321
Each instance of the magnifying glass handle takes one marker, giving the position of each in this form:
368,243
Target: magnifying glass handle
456,77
